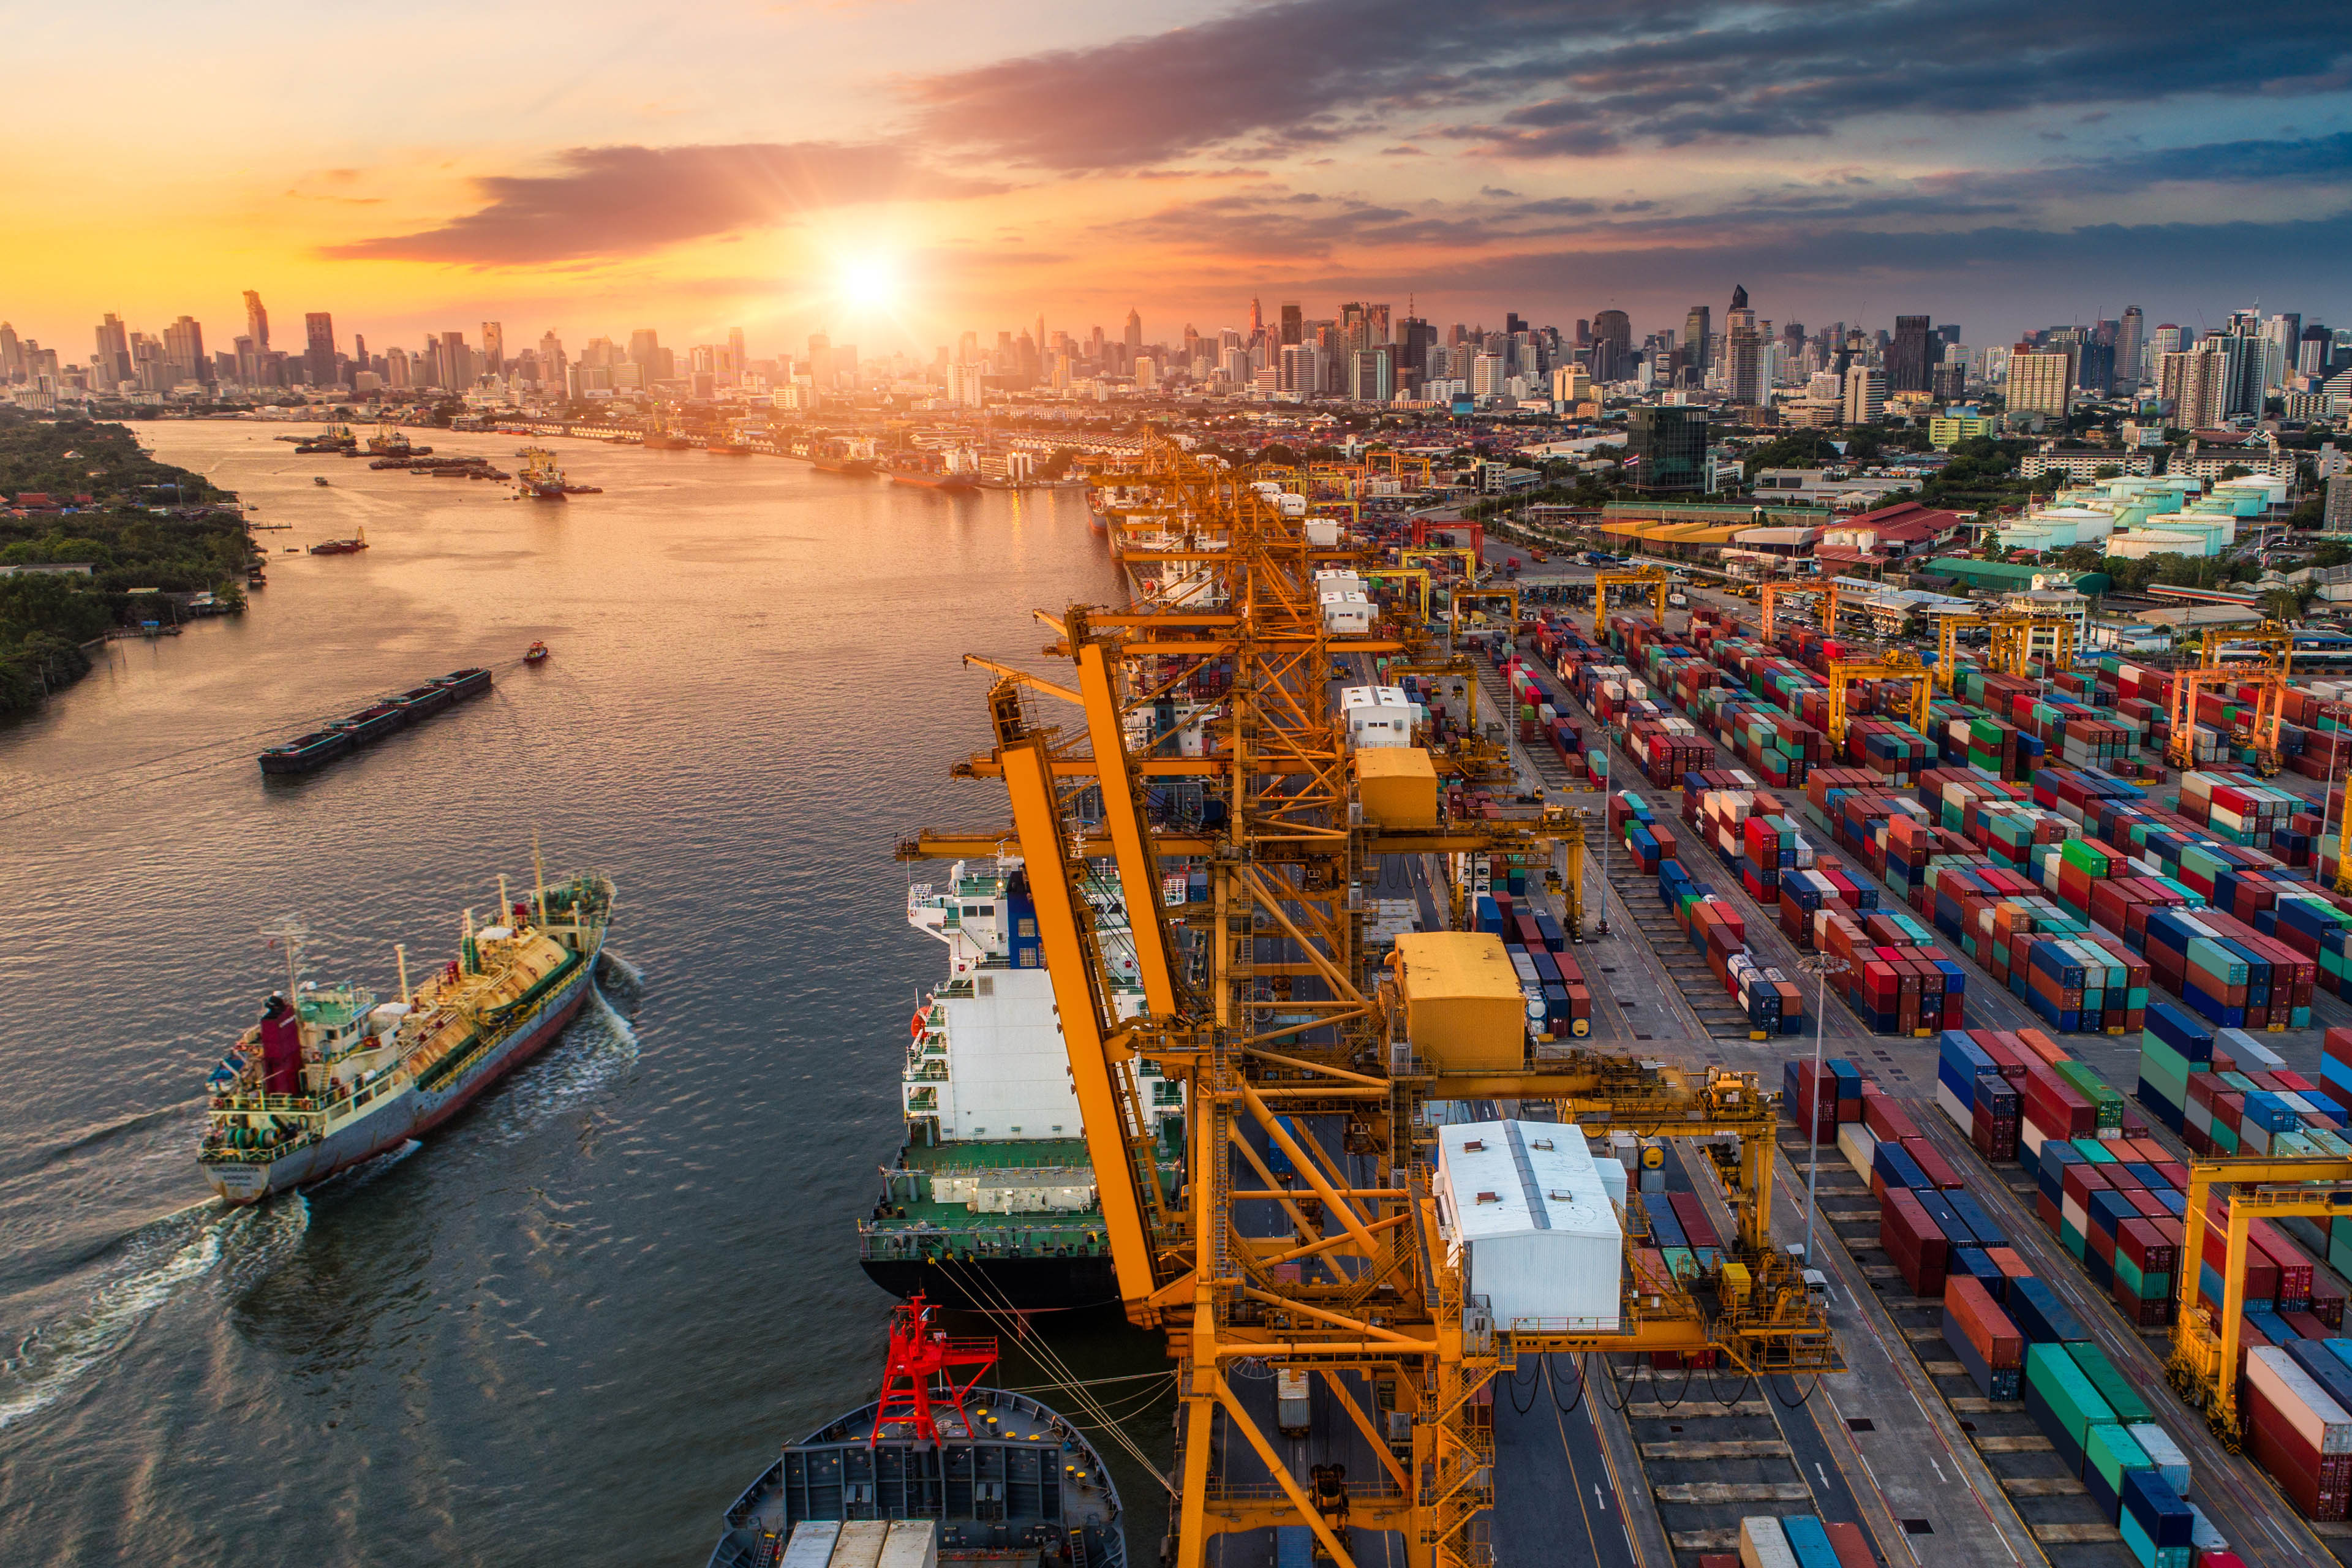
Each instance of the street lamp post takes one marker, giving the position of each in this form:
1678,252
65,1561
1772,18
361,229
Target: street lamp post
1820,966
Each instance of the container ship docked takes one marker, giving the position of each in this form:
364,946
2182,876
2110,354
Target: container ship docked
940,1472
332,1077
992,1206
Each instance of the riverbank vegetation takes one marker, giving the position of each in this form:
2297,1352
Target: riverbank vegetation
146,530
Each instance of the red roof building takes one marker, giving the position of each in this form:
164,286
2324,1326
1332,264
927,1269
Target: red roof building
1886,536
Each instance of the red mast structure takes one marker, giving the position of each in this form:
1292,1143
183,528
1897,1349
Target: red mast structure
921,1357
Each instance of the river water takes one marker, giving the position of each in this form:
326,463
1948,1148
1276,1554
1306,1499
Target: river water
581,1316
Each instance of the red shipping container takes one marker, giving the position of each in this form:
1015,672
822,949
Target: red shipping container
1885,1118
1846,1540
1933,1165
1988,1329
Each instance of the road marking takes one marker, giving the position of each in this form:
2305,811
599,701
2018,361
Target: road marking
1941,1480
1600,1500
1823,1473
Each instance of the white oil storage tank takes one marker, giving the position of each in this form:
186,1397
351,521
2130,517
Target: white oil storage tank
1527,1218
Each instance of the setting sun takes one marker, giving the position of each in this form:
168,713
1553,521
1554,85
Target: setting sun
866,283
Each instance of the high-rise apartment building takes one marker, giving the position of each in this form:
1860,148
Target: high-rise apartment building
1371,375
2040,381
2131,339
1487,374
1865,394
319,348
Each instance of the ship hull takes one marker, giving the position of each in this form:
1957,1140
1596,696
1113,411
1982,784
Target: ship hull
412,1114
993,1284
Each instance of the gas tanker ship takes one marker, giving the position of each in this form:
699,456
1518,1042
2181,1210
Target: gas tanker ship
331,1076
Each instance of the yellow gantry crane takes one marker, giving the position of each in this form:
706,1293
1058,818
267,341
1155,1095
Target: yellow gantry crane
2203,1366
1644,579
1262,1003
2012,636
2270,682
1895,664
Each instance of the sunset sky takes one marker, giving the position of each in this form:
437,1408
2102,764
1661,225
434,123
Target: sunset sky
897,170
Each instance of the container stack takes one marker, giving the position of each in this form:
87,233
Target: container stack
1773,1005
1559,997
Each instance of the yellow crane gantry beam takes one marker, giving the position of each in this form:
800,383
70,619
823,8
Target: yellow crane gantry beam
1895,664
1768,596
1648,579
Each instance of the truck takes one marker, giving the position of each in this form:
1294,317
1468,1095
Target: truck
1291,1416
1598,558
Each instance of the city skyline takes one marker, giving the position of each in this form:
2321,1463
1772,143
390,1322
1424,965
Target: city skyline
1180,158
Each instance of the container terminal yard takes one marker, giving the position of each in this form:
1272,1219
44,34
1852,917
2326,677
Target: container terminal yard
1673,1093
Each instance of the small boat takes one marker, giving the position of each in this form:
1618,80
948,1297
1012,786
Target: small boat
342,546
304,753
320,480
537,653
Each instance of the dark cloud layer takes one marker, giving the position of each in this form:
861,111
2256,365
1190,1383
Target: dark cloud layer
627,200
1579,77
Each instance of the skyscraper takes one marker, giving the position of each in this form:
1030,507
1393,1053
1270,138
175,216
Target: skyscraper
738,366
113,352
1743,355
318,353
256,322
183,350
1133,337
1293,322
1698,327
494,348
2131,337
1612,346
1911,358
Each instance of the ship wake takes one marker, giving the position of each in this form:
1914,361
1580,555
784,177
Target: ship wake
150,1266
598,1049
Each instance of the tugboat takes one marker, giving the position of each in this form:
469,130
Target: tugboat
340,546
330,1076
536,654
941,1468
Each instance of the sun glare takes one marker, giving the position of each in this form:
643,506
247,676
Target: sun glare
866,283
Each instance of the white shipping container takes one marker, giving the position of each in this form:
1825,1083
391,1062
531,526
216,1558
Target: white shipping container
1948,1100
1859,1145
861,1543
1524,1215
2171,1462
2301,1402
811,1545
913,1543
1764,1544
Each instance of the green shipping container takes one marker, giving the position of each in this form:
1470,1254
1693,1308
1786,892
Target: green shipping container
2072,1397
2109,1450
2121,1397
